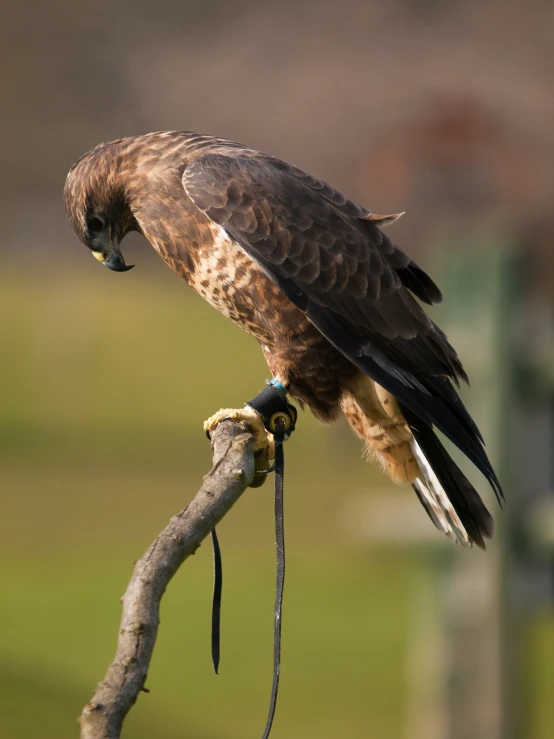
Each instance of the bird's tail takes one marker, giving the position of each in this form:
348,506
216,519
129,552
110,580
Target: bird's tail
411,453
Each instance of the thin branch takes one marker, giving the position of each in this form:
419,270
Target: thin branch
232,472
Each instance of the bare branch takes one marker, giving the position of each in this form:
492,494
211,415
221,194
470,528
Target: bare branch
232,472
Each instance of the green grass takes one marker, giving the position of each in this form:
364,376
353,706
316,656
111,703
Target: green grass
60,625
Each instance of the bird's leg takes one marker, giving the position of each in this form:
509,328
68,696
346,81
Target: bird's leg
264,445
268,416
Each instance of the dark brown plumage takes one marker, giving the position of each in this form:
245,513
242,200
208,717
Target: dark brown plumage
314,279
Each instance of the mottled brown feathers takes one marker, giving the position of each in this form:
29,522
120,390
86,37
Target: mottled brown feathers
309,273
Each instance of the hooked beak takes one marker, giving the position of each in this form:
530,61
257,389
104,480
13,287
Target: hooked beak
113,260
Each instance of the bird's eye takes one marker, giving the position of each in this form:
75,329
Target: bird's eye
95,223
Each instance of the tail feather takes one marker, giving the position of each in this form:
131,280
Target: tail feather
437,514
443,486
436,502
410,452
441,408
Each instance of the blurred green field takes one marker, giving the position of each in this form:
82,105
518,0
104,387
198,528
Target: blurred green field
106,380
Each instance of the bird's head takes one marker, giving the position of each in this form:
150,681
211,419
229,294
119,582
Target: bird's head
97,207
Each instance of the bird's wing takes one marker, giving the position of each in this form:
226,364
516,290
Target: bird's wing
327,255
329,258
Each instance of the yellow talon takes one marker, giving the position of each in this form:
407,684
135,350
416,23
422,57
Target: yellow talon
264,445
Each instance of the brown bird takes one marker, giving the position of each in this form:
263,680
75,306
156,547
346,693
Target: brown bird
311,275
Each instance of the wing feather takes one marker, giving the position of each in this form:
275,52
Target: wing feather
305,233
329,257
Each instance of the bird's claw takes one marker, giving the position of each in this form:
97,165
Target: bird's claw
264,445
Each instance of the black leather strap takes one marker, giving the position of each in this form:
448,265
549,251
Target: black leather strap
216,602
280,582
280,419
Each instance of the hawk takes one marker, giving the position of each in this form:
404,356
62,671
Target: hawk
312,276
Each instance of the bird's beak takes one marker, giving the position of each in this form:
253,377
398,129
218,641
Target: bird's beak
112,259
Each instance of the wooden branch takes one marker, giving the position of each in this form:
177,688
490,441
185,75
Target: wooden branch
232,472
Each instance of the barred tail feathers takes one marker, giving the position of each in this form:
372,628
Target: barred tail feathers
411,453
435,501
460,494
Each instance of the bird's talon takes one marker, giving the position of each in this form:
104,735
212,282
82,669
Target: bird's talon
264,448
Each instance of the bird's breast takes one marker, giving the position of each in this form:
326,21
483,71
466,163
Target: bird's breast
232,282
217,268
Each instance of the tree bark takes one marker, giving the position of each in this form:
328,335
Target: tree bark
232,472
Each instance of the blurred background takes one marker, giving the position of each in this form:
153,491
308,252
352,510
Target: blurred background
443,109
